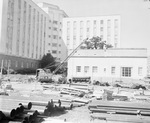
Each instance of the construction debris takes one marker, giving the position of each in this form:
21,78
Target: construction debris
120,111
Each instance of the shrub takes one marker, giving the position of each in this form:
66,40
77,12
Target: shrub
26,71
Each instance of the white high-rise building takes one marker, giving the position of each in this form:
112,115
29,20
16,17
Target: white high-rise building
55,45
76,29
23,30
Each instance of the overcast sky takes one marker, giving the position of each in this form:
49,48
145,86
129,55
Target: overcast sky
135,17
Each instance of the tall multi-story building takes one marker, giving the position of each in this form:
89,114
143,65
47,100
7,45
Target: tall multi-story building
76,29
55,44
23,33
148,66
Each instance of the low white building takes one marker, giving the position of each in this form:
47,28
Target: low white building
112,64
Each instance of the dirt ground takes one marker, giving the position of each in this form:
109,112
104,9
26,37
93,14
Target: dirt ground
26,91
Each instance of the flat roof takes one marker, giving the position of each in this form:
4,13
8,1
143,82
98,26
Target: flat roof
113,52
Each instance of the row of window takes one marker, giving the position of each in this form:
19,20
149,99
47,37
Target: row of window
54,51
125,71
37,28
9,63
54,37
95,22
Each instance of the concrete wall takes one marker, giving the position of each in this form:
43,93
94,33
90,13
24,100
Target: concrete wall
23,31
55,46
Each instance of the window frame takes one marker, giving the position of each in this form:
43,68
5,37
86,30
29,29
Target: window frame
78,69
126,71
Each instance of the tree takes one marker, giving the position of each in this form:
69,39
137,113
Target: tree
95,43
47,61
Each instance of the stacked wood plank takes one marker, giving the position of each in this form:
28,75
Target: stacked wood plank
120,111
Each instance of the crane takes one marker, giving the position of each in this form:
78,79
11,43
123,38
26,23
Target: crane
49,77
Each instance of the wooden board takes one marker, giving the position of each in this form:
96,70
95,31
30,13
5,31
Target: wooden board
121,118
121,104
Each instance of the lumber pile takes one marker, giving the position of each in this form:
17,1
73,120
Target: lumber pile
120,111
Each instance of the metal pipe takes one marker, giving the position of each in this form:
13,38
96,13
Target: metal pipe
9,114
26,105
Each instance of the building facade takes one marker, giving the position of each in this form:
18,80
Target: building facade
75,30
108,65
23,33
148,66
55,44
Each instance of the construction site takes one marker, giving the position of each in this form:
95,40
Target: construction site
23,99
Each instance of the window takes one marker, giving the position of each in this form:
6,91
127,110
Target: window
81,24
104,70
88,29
78,69
74,37
108,23
88,23
59,52
55,29
59,45
9,63
55,22
86,69
16,63
55,36
101,29
116,23
94,22
140,71
22,64
54,51
49,36
5,63
49,44
74,24
49,51
113,70
68,38
54,44
68,24
49,27
101,22
94,69
126,71
27,65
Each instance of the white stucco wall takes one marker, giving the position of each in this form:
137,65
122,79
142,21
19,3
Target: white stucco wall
107,62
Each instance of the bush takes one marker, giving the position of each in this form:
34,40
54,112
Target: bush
26,71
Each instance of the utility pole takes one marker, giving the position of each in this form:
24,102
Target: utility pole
1,73
1,70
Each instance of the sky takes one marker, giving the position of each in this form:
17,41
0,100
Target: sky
135,17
